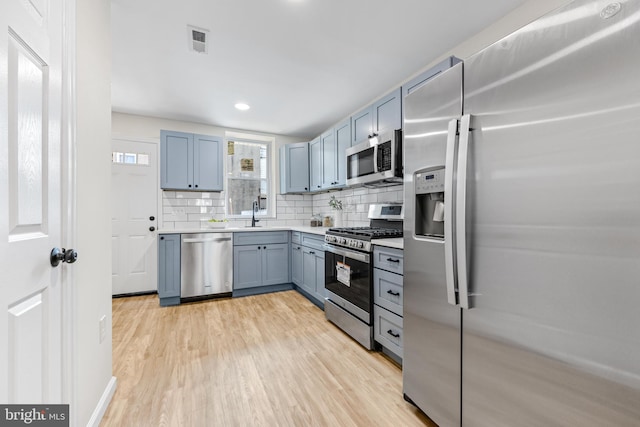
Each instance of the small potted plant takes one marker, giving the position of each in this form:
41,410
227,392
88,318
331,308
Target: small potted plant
336,206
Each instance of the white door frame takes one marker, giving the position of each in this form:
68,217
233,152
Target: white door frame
69,220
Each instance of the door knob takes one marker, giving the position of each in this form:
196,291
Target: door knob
62,255
152,228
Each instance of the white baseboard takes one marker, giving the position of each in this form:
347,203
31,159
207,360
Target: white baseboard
103,403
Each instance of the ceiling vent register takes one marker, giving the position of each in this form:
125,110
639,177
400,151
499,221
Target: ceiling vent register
197,39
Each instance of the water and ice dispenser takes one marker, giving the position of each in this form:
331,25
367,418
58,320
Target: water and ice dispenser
429,203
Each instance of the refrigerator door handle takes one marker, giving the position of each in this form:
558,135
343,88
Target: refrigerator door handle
461,212
449,209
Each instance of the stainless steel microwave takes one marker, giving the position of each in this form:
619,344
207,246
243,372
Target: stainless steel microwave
376,162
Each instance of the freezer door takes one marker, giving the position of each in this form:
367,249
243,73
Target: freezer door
552,336
431,363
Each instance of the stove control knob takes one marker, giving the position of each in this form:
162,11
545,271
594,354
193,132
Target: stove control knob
360,245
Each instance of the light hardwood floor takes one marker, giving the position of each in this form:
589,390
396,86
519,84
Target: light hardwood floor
267,360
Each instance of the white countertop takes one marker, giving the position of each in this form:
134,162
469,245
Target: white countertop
397,243
390,243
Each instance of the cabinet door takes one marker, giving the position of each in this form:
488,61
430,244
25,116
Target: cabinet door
319,289
343,141
296,264
207,163
247,266
421,79
176,159
294,168
315,163
169,268
329,159
387,112
275,264
361,125
309,274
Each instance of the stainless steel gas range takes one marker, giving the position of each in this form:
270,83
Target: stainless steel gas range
349,272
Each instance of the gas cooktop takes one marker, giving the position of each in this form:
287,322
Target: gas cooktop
365,233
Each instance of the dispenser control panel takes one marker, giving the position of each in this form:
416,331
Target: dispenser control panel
430,181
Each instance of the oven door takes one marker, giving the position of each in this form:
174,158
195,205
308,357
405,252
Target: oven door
348,278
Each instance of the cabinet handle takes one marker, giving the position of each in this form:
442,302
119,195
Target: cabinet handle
161,237
393,260
259,248
196,185
152,228
264,247
395,294
152,218
189,185
393,334
312,252
306,188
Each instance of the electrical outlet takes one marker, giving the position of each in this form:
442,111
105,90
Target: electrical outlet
103,327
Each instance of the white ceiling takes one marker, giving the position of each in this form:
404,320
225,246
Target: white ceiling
302,65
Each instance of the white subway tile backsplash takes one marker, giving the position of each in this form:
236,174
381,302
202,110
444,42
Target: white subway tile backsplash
369,198
183,209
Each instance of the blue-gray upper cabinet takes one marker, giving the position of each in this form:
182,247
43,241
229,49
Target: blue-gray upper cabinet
169,269
361,125
190,162
294,168
343,141
383,115
329,159
334,144
315,164
418,81
387,112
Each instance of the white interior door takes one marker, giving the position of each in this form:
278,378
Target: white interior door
30,201
134,186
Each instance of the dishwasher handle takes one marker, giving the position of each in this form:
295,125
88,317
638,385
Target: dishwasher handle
221,239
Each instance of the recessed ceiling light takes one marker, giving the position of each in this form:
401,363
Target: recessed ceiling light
242,106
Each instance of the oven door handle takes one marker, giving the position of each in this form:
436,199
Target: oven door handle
358,256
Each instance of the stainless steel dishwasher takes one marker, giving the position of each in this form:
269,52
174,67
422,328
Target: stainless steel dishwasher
206,264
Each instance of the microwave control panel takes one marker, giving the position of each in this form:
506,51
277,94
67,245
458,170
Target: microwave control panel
431,181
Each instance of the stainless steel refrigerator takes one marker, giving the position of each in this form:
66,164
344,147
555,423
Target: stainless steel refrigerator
522,227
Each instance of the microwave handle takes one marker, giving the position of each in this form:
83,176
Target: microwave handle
376,155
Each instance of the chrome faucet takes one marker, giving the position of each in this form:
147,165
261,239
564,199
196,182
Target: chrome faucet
253,213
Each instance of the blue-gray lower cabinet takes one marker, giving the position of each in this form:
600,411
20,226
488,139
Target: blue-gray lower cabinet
260,260
313,273
296,264
169,269
308,263
388,299
247,267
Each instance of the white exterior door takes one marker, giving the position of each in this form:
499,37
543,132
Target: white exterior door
134,186
30,201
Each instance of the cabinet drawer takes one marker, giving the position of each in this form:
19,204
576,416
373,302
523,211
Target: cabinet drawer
388,329
260,237
389,259
314,241
387,290
295,237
